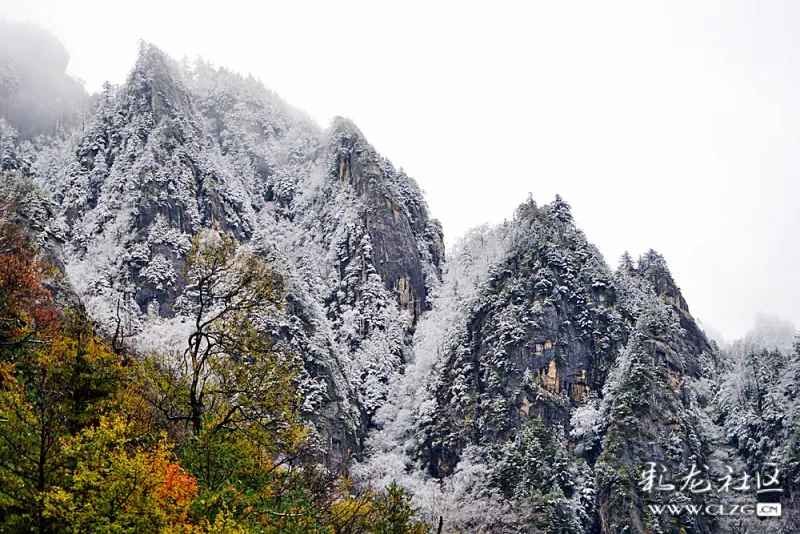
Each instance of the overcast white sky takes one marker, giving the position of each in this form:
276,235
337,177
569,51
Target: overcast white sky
672,126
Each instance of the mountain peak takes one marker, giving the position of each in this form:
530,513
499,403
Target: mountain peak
342,126
654,268
155,83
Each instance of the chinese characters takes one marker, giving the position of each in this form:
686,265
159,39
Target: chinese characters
656,478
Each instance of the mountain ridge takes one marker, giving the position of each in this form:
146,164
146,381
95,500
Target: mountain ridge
522,376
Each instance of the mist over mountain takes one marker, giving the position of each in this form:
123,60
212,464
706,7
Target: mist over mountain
518,383
35,92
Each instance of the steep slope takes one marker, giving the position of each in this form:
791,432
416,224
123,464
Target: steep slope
144,180
26,207
174,150
551,383
543,332
524,386
653,404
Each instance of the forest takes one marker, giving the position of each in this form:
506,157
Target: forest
217,316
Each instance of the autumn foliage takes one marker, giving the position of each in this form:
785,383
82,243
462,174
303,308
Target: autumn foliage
26,307
94,439
116,482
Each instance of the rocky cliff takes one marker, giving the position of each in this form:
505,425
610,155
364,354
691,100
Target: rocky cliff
549,386
177,149
521,386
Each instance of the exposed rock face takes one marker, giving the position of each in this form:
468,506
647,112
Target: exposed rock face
144,184
173,151
544,333
654,405
404,239
554,333
548,378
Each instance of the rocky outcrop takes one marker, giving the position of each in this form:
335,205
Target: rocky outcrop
543,339
404,239
654,410
556,333
172,151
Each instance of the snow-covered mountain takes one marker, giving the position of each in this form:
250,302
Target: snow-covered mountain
521,386
174,150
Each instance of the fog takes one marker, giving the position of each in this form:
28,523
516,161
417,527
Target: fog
671,126
35,92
